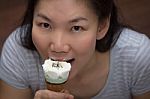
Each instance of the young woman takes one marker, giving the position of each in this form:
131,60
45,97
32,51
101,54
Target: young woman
109,61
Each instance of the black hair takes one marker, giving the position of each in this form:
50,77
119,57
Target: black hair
103,8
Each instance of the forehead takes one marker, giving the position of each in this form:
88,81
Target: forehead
65,4
64,8
57,1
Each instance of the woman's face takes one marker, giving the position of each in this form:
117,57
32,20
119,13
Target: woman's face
66,30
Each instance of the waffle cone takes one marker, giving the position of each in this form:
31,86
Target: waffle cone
55,87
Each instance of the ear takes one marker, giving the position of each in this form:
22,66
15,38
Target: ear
103,28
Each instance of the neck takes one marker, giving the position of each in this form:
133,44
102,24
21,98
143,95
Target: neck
93,78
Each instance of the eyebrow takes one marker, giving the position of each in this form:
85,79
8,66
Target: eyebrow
43,17
75,20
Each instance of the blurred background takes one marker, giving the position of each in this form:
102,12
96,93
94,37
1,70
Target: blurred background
135,13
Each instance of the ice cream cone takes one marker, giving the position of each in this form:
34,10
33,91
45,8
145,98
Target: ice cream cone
55,87
56,74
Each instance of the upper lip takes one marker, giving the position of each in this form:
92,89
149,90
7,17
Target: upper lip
60,59
69,60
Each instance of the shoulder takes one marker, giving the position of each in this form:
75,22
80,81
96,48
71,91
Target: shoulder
132,45
131,38
15,37
15,61
13,45
14,52
133,49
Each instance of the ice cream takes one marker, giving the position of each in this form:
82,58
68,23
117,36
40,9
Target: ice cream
56,73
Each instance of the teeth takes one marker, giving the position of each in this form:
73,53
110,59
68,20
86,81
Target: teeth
65,60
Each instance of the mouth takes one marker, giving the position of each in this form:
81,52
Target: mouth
70,61
64,60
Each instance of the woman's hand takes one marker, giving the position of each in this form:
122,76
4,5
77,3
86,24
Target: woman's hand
47,94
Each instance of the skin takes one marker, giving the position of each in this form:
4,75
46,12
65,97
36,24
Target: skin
71,36
59,40
7,92
68,32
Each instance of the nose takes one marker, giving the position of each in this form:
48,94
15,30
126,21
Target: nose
59,43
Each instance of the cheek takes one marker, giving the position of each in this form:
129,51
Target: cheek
40,43
86,46
84,52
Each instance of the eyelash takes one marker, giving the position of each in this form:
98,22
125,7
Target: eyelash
44,25
80,28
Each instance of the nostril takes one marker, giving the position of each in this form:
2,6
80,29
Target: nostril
67,47
59,48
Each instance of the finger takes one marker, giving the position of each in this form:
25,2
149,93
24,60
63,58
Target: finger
59,95
38,95
47,94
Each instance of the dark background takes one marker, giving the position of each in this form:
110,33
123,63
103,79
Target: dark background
135,12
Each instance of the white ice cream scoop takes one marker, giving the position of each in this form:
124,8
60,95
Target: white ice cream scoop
56,72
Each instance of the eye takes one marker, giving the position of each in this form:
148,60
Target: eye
45,25
77,28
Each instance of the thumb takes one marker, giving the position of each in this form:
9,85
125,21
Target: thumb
66,96
60,95
47,94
